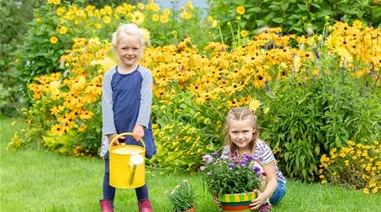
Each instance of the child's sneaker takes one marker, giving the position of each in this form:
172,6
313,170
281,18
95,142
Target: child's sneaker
266,207
145,206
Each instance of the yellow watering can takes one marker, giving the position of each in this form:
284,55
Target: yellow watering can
127,168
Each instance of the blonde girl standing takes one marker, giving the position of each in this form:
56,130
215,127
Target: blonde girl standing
126,106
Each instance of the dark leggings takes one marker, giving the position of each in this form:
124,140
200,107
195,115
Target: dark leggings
109,191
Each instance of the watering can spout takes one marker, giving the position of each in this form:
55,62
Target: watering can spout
135,160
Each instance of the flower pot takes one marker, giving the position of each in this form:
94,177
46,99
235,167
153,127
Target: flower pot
190,210
237,202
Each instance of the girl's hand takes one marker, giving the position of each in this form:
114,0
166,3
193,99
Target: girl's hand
138,132
112,136
217,201
257,202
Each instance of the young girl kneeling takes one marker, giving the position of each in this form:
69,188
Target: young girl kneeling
242,139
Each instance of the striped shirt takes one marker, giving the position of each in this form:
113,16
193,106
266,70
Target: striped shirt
263,155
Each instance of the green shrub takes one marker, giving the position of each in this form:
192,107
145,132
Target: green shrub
310,114
294,17
14,17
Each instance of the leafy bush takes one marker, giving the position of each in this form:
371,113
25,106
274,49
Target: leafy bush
356,166
14,17
293,16
311,114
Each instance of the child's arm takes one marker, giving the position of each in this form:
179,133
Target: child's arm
271,184
145,102
107,110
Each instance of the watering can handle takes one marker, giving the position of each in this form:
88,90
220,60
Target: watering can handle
122,134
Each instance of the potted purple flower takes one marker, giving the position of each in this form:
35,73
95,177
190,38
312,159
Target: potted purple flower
231,178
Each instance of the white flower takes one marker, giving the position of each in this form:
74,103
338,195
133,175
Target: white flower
207,158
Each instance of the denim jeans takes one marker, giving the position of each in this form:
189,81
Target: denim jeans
279,193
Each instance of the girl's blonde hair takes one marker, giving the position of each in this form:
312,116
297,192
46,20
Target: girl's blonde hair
128,31
241,114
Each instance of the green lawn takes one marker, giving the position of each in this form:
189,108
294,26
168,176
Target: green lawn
38,180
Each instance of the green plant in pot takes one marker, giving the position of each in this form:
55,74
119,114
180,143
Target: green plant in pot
182,197
232,180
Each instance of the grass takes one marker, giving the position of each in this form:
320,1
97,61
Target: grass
35,179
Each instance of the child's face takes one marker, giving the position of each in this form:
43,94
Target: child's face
129,50
241,133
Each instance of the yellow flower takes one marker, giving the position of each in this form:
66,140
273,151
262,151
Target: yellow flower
57,129
357,24
241,10
108,9
375,189
55,2
164,19
155,17
97,25
215,23
244,33
60,11
106,19
254,105
82,128
210,19
63,30
137,17
189,5
141,6
147,35
365,190
185,15
38,20
167,12
53,39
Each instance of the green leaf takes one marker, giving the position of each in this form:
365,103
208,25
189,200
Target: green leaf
260,22
255,9
302,7
278,20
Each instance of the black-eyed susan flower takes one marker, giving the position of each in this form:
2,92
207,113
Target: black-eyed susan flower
53,39
241,10
244,33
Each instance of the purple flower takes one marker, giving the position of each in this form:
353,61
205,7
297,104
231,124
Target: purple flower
256,169
244,160
215,154
243,164
231,165
249,157
236,161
